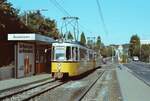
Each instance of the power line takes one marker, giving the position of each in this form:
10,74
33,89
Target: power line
62,9
58,6
101,16
66,13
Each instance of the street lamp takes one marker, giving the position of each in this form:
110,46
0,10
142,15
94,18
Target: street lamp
112,54
26,14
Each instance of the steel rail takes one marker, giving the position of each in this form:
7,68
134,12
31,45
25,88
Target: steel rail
24,89
43,91
89,88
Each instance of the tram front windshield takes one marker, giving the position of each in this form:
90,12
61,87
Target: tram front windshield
60,54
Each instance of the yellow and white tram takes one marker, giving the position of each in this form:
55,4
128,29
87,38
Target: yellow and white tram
72,59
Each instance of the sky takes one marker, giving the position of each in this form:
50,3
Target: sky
122,18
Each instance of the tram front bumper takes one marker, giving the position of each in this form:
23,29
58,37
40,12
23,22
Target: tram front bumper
70,67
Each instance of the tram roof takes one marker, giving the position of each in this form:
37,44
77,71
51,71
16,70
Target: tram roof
66,44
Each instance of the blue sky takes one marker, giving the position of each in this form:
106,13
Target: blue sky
123,18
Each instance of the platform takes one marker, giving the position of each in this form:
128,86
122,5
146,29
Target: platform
13,83
131,87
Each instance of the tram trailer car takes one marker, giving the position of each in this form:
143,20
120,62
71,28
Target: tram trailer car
72,59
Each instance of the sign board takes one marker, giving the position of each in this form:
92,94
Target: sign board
21,36
30,37
25,58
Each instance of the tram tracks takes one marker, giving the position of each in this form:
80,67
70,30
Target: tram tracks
29,92
42,89
81,97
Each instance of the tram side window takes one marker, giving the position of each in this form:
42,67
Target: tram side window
87,55
91,55
74,53
77,53
68,53
82,54
95,56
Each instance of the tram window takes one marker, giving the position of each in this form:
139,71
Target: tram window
77,53
82,54
95,56
91,56
87,55
60,53
60,56
68,53
73,53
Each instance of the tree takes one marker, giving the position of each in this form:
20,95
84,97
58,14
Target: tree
134,47
7,8
110,51
103,52
70,37
3,1
8,18
52,29
40,24
98,43
145,53
82,39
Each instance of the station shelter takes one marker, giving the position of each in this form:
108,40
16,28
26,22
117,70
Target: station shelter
30,54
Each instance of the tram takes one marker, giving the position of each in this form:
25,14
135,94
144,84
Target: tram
72,59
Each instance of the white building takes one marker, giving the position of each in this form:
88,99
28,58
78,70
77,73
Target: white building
119,52
145,42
